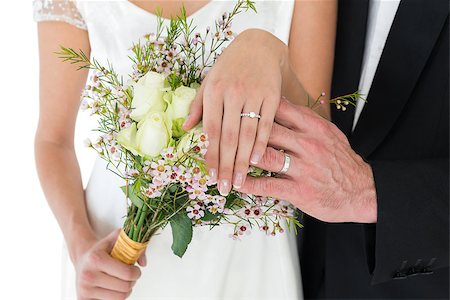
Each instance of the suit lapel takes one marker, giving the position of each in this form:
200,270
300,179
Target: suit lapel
415,29
350,40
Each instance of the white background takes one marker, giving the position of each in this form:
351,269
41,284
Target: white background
31,242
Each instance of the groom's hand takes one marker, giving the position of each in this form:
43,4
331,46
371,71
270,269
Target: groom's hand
326,178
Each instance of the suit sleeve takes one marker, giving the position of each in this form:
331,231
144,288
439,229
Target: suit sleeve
411,237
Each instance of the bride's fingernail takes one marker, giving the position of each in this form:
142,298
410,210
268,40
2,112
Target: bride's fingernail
237,181
224,187
254,159
213,175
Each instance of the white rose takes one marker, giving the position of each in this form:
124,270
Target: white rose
182,99
152,134
127,138
185,143
148,95
178,109
149,137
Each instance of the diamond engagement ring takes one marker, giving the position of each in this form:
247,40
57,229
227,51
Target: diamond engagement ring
251,114
287,164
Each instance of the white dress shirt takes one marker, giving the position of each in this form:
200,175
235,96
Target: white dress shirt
381,16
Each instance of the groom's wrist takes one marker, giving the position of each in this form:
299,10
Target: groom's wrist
365,197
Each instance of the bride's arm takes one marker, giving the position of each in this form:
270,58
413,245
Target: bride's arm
311,49
306,64
98,274
57,165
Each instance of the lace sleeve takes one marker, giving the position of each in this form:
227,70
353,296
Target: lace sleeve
58,10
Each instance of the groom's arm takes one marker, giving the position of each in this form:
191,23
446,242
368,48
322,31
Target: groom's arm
411,235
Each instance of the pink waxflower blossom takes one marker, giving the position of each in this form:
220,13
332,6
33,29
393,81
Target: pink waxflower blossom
161,180
115,150
257,212
196,192
151,192
87,143
84,105
235,236
243,229
214,209
132,173
195,212
264,228
169,154
159,168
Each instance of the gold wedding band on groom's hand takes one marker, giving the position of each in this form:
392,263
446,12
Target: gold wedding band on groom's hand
251,115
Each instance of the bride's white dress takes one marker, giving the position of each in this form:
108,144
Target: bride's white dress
215,267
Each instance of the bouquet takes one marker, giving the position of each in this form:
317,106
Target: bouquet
142,140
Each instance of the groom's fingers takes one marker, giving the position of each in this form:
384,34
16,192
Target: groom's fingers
287,115
297,118
280,188
283,138
273,161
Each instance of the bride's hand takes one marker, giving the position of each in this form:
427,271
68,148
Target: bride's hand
246,78
99,276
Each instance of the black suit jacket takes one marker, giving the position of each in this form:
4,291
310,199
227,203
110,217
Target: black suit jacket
403,132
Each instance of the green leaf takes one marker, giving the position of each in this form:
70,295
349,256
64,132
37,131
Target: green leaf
209,216
173,188
181,233
232,200
132,195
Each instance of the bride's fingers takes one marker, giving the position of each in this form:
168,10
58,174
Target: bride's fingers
247,135
100,293
105,281
196,110
142,260
111,266
212,124
268,110
229,141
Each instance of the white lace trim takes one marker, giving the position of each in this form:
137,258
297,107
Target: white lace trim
58,10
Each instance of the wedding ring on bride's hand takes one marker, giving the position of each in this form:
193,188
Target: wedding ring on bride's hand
251,115
287,163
